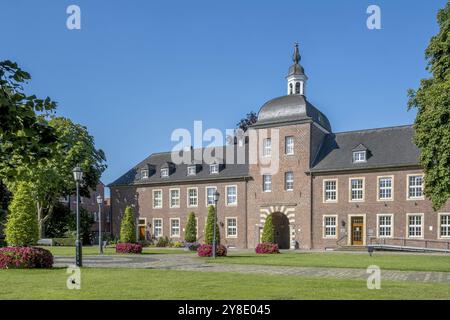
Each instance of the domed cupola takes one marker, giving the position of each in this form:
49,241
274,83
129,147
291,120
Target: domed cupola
296,78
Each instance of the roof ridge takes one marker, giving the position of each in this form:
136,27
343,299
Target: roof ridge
375,129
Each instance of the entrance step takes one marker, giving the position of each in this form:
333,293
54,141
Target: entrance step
351,248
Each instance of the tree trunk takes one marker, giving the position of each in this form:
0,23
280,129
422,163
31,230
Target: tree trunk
40,212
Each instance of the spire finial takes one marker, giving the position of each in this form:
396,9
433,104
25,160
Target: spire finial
296,56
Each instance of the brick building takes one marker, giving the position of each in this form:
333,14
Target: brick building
323,189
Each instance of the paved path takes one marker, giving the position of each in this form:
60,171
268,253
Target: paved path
188,262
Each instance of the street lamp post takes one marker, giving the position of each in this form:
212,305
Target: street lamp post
100,244
78,176
216,199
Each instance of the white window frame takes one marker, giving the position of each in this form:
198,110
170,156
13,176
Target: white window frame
153,198
190,172
408,187
267,147
264,182
291,181
391,226
324,226
422,220
289,149
440,236
350,193
379,188
359,159
206,195
154,227
215,170
179,228
324,184
171,198
144,176
166,172
188,197
233,204
227,235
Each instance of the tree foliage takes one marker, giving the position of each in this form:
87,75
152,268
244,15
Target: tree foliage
246,122
209,230
86,221
21,225
432,124
190,235
128,227
268,231
60,222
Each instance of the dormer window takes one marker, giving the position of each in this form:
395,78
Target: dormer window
359,156
214,168
191,170
164,172
144,174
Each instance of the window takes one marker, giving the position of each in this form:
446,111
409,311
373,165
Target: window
267,147
444,225
192,197
174,198
289,145
297,88
359,156
385,225
213,169
231,228
357,189
157,228
267,183
210,196
415,187
144,173
330,190
290,88
175,227
329,226
164,172
157,199
64,199
414,226
385,188
231,195
289,181
191,170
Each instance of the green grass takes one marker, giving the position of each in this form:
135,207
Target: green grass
386,261
93,250
169,284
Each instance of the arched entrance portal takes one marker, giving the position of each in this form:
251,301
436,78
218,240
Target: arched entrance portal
281,230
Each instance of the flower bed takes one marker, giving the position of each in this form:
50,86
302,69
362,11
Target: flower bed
206,250
25,257
129,248
267,248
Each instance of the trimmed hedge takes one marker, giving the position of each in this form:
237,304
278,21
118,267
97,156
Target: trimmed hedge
206,250
267,248
25,257
129,248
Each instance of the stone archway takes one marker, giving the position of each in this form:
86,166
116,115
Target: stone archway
281,230
285,224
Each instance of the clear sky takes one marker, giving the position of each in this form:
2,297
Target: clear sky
137,70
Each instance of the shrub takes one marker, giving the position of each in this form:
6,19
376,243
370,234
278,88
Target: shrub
127,227
129,248
177,244
267,248
268,231
209,230
163,242
190,235
21,228
206,250
25,257
192,246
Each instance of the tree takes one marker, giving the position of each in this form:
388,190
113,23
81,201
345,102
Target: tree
432,124
246,122
190,235
209,230
21,225
268,231
86,221
128,227
60,222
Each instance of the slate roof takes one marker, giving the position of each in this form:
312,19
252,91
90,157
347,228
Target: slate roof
386,147
157,161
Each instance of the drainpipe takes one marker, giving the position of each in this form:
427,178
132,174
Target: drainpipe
246,214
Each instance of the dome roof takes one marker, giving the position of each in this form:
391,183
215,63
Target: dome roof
290,108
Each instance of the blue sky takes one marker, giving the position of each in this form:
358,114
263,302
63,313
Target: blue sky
137,70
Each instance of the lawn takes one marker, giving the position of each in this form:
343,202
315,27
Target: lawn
169,284
386,261
93,250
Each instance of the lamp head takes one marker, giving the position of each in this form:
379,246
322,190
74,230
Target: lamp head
78,174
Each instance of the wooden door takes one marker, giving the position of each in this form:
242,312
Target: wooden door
141,233
357,231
